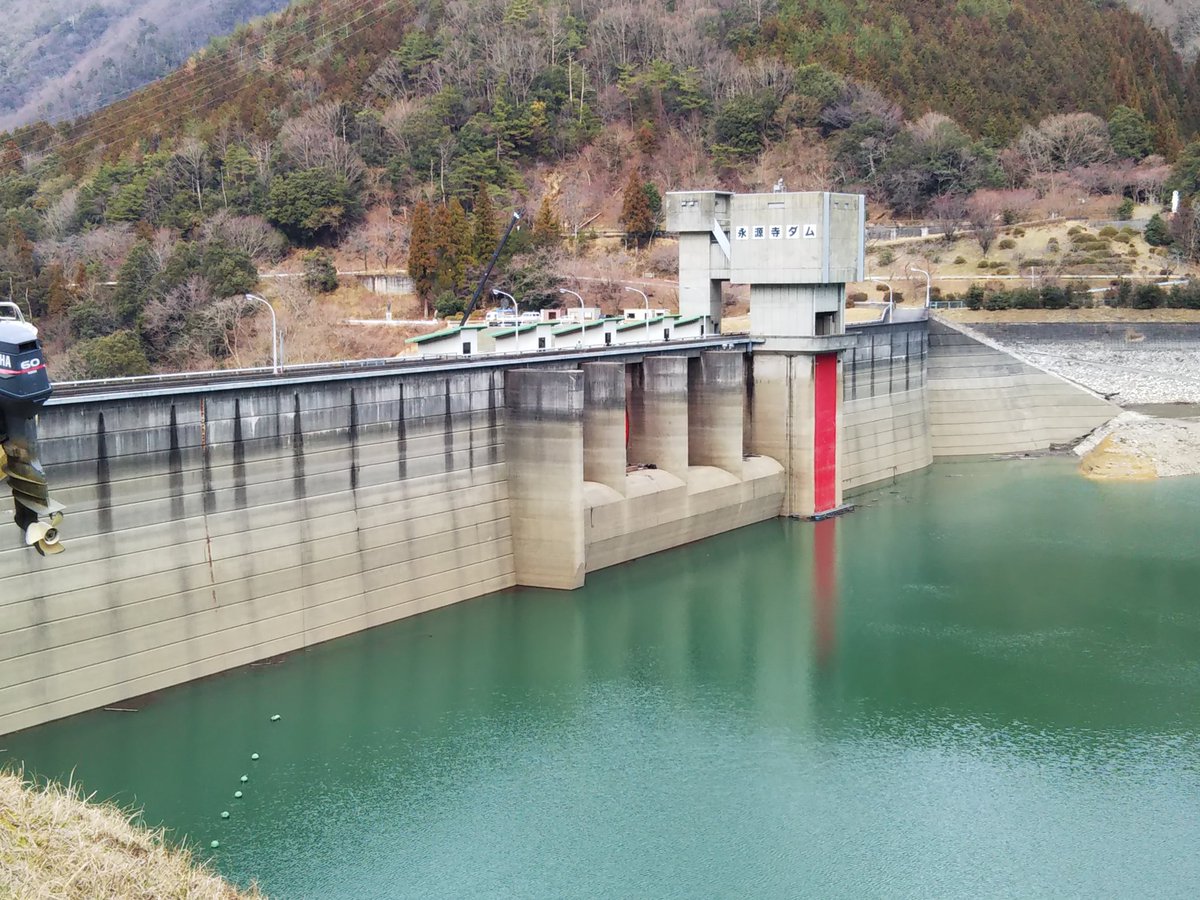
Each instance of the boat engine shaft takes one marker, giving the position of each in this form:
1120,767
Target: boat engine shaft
24,387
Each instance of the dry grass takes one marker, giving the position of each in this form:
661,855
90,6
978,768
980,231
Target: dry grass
888,260
54,843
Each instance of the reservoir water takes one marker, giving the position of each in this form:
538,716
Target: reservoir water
985,681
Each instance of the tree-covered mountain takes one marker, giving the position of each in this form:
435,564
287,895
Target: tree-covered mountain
332,122
62,58
1179,18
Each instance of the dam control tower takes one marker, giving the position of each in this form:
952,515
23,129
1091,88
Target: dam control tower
796,251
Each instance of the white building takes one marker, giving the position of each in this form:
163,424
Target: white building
645,331
526,338
464,340
685,327
581,335
641,314
581,314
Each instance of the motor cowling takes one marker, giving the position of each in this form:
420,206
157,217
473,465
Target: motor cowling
24,387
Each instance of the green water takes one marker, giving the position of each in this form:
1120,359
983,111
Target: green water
994,692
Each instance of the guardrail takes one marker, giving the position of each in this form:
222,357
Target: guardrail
180,383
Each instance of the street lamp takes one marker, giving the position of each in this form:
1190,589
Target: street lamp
274,332
577,297
645,300
891,303
496,292
928,282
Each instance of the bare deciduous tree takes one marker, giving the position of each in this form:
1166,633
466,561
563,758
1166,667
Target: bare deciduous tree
948,211
251,234
1061,143
191,161
60,215
983,211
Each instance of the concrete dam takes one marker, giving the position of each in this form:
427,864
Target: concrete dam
217,525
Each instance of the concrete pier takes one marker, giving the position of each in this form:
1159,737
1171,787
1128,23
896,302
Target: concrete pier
783,415
545,476
658,415
716,404
604,424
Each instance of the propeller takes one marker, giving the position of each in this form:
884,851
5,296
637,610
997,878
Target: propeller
44,536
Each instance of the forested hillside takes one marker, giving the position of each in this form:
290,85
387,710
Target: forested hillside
397,132
1179,18
62,58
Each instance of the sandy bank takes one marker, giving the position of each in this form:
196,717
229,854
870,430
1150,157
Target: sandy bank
1133,446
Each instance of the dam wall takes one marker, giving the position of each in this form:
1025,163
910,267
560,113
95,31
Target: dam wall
885,403
915,391
984,400
219,527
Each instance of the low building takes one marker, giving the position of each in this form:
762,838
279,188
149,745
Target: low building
641,314
645,331
457,340
581,314
585,334
686,327
525,338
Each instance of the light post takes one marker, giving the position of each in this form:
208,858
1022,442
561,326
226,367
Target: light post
891,303
928,282
577,297
274,332
496,292
646,301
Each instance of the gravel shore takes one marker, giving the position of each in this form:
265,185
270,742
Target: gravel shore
1124,376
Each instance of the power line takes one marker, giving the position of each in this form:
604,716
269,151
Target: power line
215,79
209,84
99,103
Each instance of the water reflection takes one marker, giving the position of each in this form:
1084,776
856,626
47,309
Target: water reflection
824,590
985,663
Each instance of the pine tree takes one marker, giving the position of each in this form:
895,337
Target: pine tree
636,214
546,230
451,247
135,281
484,234
1157,234
461,245
422,261
58,290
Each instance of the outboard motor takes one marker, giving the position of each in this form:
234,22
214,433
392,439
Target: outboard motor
24,387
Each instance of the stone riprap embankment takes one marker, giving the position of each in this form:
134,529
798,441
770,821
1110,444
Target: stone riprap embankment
1134,446
1130,364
